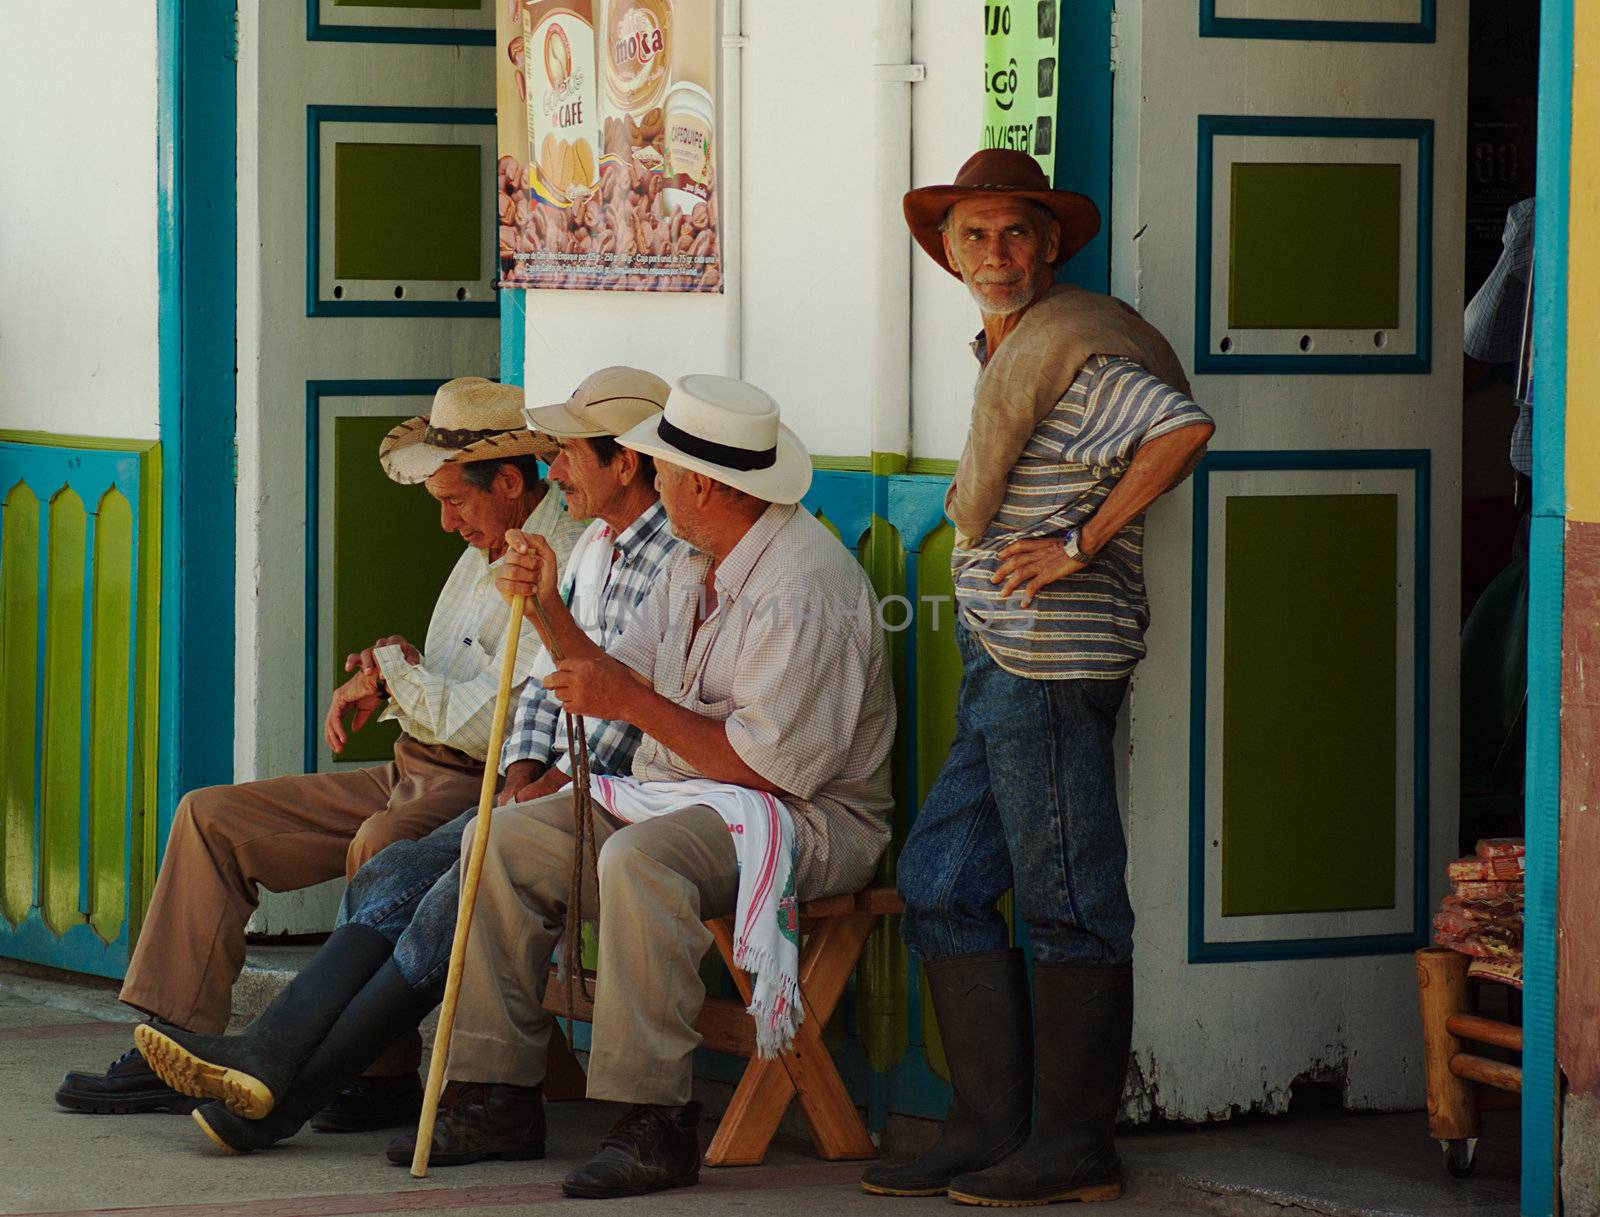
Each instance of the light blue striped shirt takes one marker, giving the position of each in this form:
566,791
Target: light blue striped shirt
1091,624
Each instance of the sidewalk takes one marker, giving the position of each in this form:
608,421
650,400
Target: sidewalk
60,1163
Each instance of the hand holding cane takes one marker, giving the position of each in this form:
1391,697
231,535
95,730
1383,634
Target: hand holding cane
469,893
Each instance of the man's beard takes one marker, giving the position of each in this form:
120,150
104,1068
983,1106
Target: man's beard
1016,299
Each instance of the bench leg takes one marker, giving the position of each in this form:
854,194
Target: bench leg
807,1072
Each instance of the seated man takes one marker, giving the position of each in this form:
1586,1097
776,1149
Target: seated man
384,966
478,460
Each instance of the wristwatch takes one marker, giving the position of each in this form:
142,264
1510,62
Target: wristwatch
1070,544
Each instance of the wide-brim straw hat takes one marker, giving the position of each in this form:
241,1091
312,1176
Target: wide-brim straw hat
472,419
611,402
728,430
1006,172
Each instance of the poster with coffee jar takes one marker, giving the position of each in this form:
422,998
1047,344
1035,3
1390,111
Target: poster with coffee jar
607,132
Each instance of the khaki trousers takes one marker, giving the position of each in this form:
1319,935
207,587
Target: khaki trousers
659,879
282,834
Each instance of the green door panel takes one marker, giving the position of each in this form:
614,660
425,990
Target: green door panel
111,677
60,776
390,560
19,696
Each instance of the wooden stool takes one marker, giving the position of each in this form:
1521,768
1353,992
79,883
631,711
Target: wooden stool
1455,1076
833,933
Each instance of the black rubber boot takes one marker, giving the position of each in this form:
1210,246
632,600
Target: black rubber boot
250,1071
982,1004
370,1103
367,1026
1085,1013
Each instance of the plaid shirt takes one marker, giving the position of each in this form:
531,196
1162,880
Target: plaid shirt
637,558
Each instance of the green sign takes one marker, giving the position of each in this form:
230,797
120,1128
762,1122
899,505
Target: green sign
1020,40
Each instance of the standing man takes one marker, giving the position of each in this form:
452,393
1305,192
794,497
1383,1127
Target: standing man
1081,420
479,461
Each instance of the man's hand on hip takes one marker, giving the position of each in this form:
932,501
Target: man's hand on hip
1033,565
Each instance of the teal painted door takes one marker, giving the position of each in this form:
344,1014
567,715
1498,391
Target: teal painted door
367,152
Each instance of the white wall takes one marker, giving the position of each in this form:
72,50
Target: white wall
808,156
78,296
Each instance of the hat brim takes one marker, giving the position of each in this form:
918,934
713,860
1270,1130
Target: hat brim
786,480
559,420
925,210
408,459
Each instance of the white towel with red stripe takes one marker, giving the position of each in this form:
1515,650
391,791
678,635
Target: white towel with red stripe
766,920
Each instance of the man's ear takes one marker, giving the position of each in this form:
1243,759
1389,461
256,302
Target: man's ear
1052,243
627,461
508,481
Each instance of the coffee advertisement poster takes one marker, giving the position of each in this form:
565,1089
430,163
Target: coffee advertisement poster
608,152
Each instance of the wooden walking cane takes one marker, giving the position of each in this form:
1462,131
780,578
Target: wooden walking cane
469,894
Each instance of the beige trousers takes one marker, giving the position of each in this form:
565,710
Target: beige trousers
659,879
283,834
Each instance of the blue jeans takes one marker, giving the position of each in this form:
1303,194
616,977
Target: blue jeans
408,893
1027,799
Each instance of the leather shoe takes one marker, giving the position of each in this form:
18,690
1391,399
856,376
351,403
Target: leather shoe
480,1120
127,1087
650,1149
371,1103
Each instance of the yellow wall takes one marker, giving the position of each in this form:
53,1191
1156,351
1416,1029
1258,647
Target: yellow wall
1583,282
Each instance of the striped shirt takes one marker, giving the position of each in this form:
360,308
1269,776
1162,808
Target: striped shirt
1091,624
448,698
606,583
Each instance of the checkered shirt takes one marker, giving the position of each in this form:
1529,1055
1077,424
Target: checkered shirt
639,555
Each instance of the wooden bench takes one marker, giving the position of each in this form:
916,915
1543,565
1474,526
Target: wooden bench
833,933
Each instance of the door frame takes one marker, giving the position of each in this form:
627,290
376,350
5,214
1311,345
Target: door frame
196,232
1541,1090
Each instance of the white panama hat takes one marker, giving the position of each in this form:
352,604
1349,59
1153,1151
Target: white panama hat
472,419
728,430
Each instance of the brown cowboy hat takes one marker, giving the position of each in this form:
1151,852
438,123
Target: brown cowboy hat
1000,171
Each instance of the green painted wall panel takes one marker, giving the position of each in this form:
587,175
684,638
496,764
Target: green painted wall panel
408,211
938,682
1309,698
96,846
19,695
111,677
1314,247
390,559
60,775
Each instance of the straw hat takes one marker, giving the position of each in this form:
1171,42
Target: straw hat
608,402
472,419
728,430
1000,171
